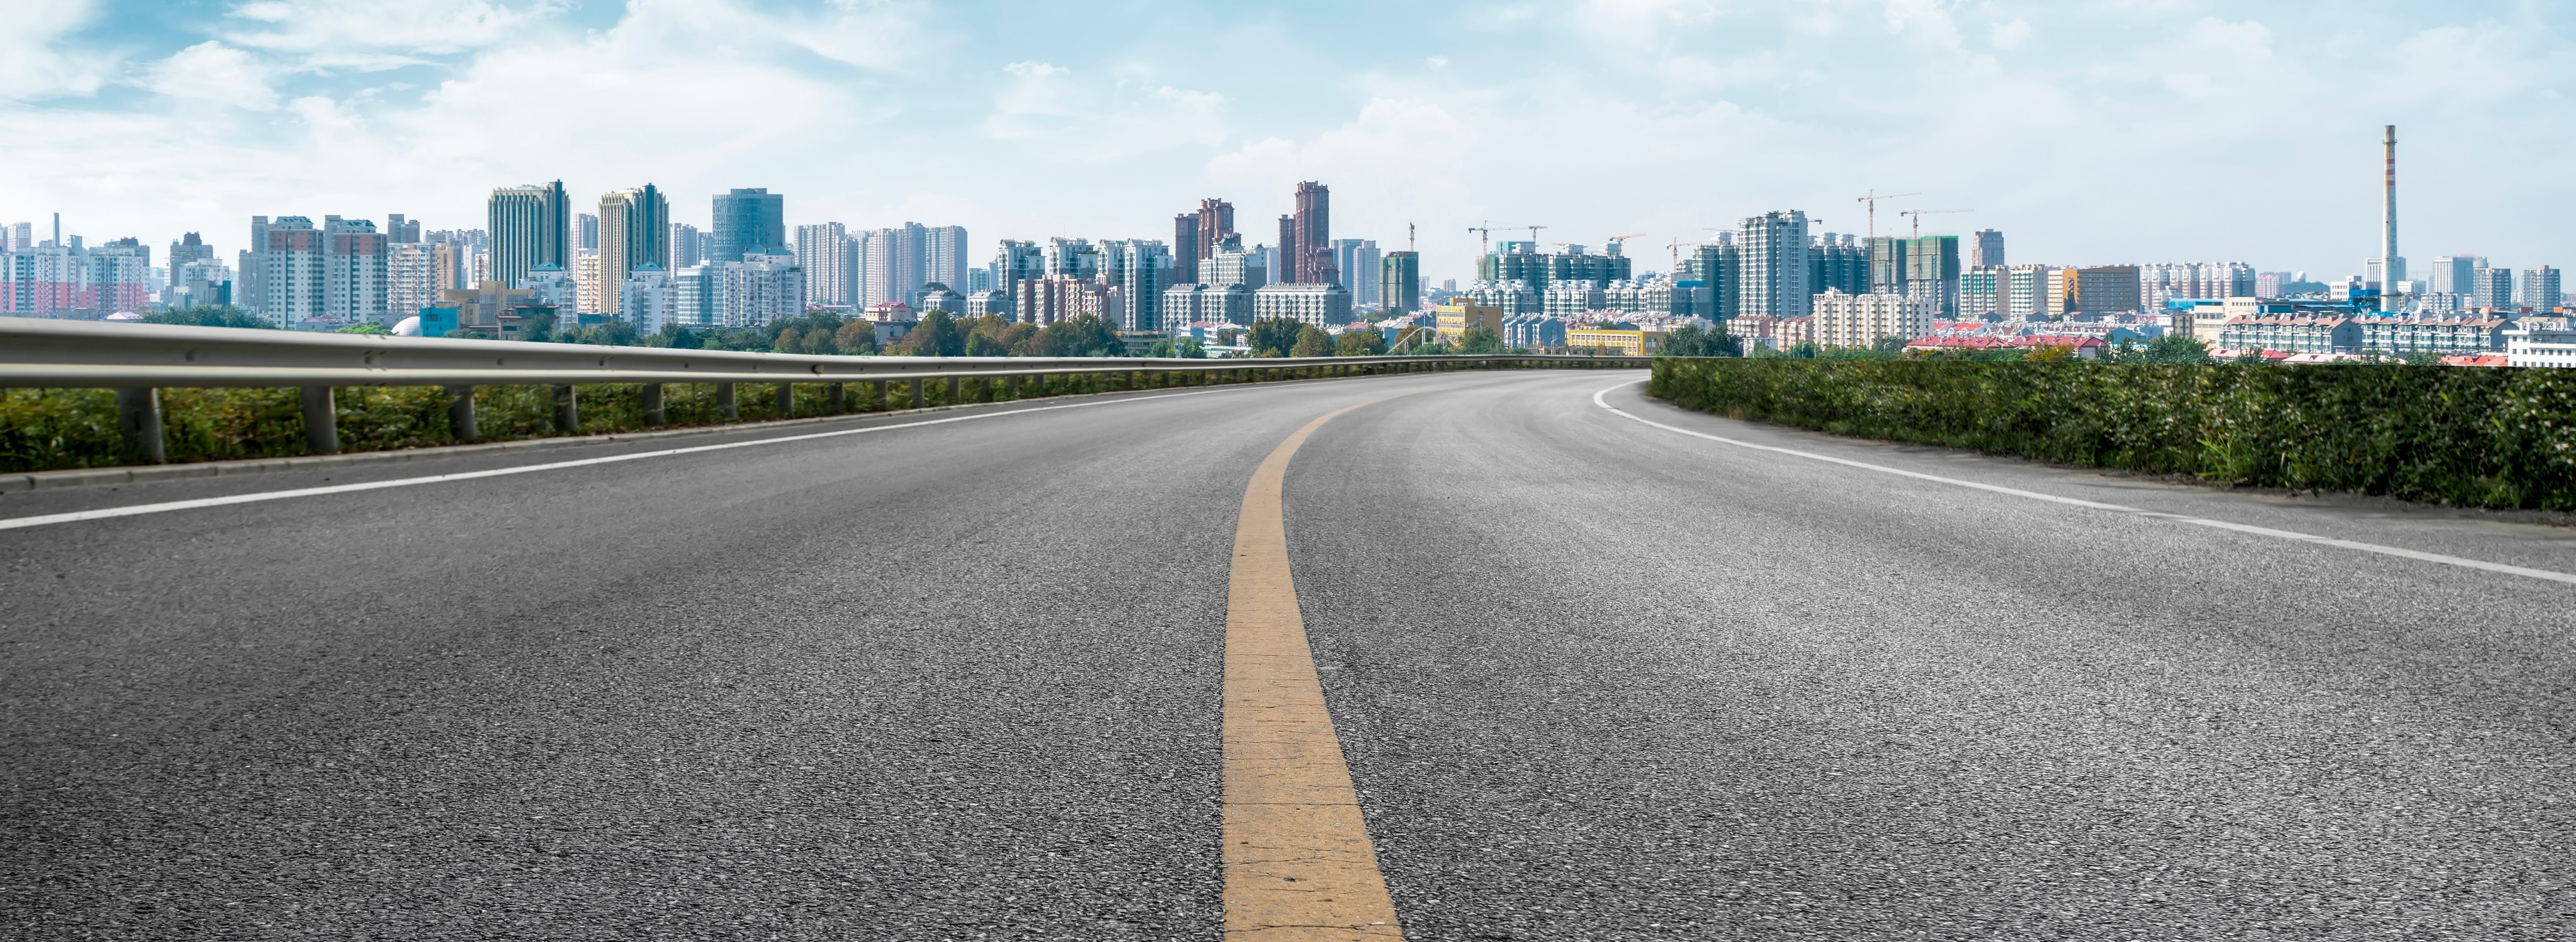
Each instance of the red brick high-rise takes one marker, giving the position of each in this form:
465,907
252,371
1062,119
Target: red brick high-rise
1312,255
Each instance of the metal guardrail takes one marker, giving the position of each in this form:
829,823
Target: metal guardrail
138,359
89,354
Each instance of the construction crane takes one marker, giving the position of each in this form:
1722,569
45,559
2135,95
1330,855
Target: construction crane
1676,246
1918,215
1872,198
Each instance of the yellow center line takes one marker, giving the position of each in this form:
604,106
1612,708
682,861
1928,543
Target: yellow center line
1298,862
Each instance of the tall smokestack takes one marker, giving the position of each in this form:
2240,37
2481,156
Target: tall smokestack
2389,272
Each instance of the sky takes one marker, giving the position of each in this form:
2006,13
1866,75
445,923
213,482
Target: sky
2096,132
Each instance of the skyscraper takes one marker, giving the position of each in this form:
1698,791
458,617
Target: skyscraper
748,220
2491,288
1313,253
1196,235
688,246
1932,273
530,226
1400,281
189,248
2450,274
943,255
1772,251
585,232
1145,270
2539,289
634,230
292,277
1356,261
1286,271
353,276
1988,250
823,250
399,231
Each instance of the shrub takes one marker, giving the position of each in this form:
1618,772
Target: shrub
2471,436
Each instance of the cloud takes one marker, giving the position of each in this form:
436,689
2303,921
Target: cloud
212,71
323,27
1057,114
36,64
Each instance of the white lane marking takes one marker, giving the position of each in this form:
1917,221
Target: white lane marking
20,523
1599,400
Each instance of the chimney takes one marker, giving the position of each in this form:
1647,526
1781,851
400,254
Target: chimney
2389,271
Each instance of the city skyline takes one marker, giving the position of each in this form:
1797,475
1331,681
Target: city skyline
1703,116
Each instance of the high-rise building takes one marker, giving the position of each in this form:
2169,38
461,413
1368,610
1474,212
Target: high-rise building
1716,266
2451,273
2491,288
353,279
2103,290
1235,265
1015,261
1196,240
892,263
1185,247
293,277
748,220
1400,281
688,246
401,231
1838,263
415,274
1932,273
585,232
1859,320
1772,280
1356,260
120,275
589,296
1145,270
634,230
824,250
1313,253
1283,262
531,226
1987,251
250,276
2539,289
188,249
943,254
645,300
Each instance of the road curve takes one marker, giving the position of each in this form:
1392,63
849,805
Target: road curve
1593,679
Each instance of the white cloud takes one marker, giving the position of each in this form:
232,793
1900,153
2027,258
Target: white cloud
212,71
35,65
1055,114
2008,35
418,26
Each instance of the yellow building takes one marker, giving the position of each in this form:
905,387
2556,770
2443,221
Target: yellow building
1635,343
1453,320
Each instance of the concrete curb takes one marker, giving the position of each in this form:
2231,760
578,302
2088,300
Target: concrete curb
144,474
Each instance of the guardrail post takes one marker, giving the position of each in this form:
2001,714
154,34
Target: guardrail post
321,421
138,415
917,401
952,390
787,400
567,411
840,398
653,411
725,405
460,413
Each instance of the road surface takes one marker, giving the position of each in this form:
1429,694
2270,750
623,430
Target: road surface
1594,678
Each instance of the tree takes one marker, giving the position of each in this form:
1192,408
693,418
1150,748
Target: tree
1360,342
2051,353
1480,339
1690,341
1311,342
2170,348
369,327
1274,337
2423,358
936,336
1888,347
609,333
225,316
856,338
1192,349
1085,336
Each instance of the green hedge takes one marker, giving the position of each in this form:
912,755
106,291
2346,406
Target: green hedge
52,429
2474,436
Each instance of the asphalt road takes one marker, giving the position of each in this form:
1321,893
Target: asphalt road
1594,679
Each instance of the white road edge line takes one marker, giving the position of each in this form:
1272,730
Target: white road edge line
1599,399
20,523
